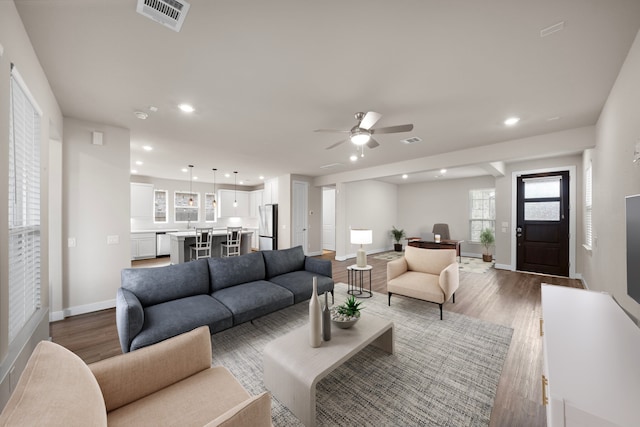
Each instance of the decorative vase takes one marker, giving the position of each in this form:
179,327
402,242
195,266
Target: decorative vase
326,319
315,317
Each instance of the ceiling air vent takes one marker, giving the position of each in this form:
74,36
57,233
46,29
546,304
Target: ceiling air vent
411,140
330,165
170,13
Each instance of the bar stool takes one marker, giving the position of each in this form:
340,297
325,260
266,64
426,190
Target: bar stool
232,246
202,248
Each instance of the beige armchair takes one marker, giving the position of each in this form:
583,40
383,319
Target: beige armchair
166,384
426,274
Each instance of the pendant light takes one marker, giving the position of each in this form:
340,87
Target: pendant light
190,184
235,189
214,204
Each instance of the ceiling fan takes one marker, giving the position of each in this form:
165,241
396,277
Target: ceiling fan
361,134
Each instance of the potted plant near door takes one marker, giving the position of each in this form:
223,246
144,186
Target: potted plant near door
398,235
487,239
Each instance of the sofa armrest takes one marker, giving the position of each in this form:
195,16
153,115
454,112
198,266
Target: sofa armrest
318,266
132,376
129,317
449,280
254,412
396,267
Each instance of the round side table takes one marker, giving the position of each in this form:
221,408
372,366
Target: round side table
356,281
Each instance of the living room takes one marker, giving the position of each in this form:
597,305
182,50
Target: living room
86,193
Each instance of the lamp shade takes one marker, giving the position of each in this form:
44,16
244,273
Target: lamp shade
361,236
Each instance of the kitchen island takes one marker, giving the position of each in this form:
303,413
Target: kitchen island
181,240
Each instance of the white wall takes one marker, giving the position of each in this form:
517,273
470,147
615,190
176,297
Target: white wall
423,204
96,205
329,219
314,215
18,50
614,177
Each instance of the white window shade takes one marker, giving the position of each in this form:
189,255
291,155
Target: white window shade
588,221
24,206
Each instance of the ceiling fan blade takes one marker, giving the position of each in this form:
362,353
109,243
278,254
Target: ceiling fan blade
393,129
369,120
336,144
332,130
372,143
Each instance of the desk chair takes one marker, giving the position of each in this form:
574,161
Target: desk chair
202,248
232,246
442,230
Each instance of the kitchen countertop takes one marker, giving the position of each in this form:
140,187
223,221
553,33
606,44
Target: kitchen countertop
157,230
219,232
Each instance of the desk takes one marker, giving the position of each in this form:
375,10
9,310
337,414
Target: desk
444,244
181,241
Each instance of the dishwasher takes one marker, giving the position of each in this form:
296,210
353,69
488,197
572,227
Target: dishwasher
163,244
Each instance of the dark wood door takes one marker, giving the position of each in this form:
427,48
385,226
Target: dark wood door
542,232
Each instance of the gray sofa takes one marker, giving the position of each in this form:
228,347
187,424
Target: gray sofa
154,304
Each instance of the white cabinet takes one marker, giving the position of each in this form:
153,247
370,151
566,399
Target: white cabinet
143,245
591,369
141,201
226,199
255,201
270,195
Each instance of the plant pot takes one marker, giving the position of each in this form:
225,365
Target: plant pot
397,247
487,257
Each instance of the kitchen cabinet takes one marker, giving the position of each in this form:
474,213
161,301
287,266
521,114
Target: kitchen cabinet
590,352
225,203
143,245
255,201
270,195
141,201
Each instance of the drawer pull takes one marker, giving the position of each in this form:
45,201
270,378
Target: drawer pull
545,399
541,331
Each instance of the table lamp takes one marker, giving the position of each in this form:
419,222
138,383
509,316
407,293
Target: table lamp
361,237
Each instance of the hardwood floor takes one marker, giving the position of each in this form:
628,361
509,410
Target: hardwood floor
502,297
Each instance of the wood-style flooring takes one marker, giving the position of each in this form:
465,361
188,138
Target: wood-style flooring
502,297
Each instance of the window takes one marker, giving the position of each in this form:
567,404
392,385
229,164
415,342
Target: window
482,203
539,195
210,214
184,210
588,189
24,205
160,206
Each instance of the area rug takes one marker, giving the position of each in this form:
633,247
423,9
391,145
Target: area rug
443,372
467,264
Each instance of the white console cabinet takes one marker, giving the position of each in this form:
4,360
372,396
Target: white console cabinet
143,245
591,360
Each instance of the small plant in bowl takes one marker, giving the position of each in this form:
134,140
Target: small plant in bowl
346,315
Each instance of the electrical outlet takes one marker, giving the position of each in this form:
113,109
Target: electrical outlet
113,240
71,242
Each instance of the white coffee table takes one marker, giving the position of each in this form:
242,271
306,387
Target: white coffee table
292,368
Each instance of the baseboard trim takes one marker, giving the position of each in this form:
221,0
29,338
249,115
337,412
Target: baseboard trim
55,316
89,308
503,267
471,254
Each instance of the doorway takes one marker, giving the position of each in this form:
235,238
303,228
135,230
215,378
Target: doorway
300,222
542,223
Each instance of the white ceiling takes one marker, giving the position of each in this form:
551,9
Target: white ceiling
263,75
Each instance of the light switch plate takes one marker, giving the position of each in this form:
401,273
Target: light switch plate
113,240
71,242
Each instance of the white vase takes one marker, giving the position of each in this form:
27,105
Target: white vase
315,317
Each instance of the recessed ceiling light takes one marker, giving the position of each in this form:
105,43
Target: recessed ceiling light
405,176
134,171
227,175
186,108
147,148
195,178
353,158
261,177
139,163
241,182
141,115
184,170
551,119
153,108
512,121
443,171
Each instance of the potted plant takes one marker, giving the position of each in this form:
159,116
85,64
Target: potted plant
398,235
487,239
346,315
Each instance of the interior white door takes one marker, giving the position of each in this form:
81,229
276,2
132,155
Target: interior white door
299,221
329,219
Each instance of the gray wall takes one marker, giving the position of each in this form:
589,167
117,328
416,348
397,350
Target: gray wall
614,177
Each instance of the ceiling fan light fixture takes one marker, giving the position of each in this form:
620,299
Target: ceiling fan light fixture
360,137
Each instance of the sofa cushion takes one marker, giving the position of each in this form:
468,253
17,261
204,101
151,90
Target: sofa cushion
168,319
300,283
431,261
225,272
283,261
210,394
160,284
254,299
56,388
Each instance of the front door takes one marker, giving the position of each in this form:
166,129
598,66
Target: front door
542,232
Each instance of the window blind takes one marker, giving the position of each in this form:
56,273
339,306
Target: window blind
24,205
588,190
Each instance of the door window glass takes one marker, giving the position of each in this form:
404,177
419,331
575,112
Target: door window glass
537,188
542,211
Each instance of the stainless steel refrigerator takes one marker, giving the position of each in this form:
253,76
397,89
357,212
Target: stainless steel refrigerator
268,230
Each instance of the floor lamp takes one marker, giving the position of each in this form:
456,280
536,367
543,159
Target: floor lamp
361,237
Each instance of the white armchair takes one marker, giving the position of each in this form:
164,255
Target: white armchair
426,274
